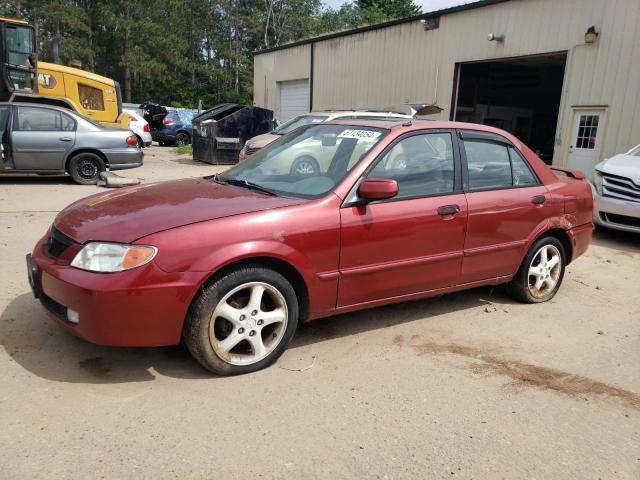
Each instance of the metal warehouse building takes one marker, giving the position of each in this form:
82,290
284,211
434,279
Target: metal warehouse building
562,75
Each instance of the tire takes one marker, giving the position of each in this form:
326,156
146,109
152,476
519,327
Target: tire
233,299
182,138
139,142
161,143
305,165
535,271
85,168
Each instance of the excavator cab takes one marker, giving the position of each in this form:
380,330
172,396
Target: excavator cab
18,59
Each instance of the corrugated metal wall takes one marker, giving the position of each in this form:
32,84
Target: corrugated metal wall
404,62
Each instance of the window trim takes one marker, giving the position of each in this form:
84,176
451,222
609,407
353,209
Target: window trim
496,139
352,199
16,119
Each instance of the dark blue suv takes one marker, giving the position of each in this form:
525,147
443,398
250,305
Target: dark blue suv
168,127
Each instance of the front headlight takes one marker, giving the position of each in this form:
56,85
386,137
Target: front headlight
112,257
597,181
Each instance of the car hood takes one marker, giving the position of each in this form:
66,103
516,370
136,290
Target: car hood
130,213
260,141
623,165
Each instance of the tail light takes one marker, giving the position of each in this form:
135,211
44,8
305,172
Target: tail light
146,128
132,140
167,121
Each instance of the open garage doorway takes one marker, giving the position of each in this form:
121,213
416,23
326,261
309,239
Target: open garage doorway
520,95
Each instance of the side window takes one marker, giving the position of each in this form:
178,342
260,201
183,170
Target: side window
421,164
68,123
522,175
488,164
90,97
4,116
38,119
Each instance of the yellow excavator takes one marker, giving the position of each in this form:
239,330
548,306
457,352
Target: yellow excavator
25,79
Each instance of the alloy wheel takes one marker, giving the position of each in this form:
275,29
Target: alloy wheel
544,271
248,323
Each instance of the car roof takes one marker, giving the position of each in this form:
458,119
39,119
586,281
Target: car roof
420,125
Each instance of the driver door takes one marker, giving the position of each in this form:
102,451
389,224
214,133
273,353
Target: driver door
413,242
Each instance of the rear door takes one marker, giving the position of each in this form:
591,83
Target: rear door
413,242
506,203
41,137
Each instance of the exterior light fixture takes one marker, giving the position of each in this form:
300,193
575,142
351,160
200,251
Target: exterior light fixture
495,38
591,35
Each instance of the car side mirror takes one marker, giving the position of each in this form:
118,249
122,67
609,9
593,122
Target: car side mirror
377,189
329,140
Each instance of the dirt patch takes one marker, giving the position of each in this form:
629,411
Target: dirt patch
96,366
524,374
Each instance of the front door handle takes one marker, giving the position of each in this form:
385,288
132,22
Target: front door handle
65,139
538,199
446,210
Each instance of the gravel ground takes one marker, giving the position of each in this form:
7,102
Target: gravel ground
467,385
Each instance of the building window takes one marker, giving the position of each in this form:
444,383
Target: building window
90,97
587,132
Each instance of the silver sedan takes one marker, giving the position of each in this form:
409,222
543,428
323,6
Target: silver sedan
49,140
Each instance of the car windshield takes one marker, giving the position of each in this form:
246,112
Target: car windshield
307,163
299,121
635,152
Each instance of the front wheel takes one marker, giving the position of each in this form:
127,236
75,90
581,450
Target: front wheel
85,168
242,322
541,272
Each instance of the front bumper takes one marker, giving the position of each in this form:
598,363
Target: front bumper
142,307
616,214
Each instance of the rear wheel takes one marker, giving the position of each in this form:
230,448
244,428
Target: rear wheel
541,272
85,168
182,138
139,142
242,322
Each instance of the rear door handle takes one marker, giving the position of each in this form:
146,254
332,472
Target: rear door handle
446,210
65,139
538,199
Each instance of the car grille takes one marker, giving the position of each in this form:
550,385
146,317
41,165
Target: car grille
621,219
58,242
616,186
251,150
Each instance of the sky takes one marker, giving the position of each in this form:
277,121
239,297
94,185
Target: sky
427,5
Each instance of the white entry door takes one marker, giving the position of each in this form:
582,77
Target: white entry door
294,99
586,136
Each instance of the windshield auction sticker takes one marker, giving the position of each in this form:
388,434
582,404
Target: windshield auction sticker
359,134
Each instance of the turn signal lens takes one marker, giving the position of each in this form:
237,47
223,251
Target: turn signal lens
137,256
132,140
112,257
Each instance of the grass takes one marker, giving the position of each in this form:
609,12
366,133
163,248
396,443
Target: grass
182,149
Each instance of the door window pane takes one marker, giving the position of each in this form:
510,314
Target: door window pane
38,119
522,175
68,123
90,98
421,164
488,165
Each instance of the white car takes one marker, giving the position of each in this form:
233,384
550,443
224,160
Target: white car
256,143
616,190
140,127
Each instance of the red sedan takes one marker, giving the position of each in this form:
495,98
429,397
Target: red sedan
232,263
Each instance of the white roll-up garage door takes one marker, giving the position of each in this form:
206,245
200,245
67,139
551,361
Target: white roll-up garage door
294,99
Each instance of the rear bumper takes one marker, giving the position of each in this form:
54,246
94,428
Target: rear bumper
580,238
616,214
142,307
122,158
